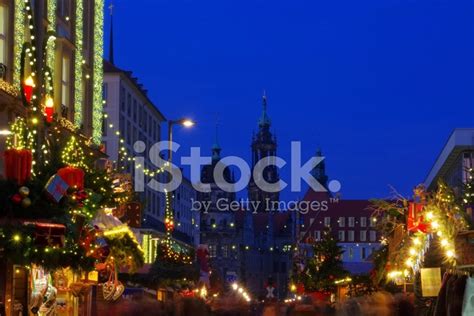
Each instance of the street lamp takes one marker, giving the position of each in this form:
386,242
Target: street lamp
182,121
169,223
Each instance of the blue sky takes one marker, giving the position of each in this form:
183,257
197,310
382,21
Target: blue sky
378,85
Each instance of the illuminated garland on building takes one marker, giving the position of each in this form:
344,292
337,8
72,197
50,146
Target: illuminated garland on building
51,44
98,72
19,39
444,219
78,65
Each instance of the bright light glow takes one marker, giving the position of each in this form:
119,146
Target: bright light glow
235,286
16,238
449,253
5,132
187,123
49,103
29,81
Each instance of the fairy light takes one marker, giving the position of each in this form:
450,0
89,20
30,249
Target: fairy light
78,73
98,73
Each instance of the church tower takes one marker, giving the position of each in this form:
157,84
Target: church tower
264,145
319,170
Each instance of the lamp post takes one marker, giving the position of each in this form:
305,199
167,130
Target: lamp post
169,222
182,121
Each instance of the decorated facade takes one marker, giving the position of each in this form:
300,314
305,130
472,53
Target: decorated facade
58,235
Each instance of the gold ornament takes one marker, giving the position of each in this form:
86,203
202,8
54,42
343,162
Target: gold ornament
24,191
26,202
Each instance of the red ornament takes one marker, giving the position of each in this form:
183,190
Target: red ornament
17,198
18,165
73,176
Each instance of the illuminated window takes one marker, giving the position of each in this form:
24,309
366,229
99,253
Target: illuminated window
350,252
363,235
373,221
363,221
3,34
66,85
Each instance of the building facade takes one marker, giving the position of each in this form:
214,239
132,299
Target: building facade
218,229
61,40
130,117
455,160
56,48
350,222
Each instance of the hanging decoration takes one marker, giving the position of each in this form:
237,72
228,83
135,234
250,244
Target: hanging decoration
431,219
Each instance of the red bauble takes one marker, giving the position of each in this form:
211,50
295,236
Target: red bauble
17,198
73,176
18,165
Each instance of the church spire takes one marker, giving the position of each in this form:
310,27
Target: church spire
216,149
264,119
111,40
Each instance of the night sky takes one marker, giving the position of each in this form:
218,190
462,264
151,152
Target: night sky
378,85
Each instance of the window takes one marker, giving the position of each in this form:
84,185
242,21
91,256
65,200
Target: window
363,221
317,235
363,235
212,251
104,127
373,221
135,110
3,34
341,235
225,251
342,221
350,252
105,92
63,7
122,98
65,84
363,253
351,221
468,162
129,104
350,235
327,221
373,235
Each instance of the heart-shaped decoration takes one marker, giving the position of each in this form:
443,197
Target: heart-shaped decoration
108,289
119,289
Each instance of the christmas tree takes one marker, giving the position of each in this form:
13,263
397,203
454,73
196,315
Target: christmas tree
325,266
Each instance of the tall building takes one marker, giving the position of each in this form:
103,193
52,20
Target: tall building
218,229
187,220
131,112
264,146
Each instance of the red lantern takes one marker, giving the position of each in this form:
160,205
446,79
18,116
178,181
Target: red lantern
73,176
18,165
49,109
28,88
